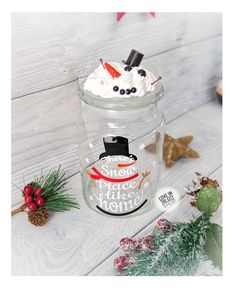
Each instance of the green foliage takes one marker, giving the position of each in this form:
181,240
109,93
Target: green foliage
208,199
54,190
213,246
177,252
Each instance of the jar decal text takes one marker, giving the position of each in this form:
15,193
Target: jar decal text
117,184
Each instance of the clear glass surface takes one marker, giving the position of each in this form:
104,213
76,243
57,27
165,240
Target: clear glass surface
120,151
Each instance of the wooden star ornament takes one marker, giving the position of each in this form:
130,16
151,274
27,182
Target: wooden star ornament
177,148
173,148
153,148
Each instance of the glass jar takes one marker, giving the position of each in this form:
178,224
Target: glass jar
120,152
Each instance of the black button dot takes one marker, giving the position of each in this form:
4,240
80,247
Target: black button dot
133,90
128,91
142,72
115,89
122,91
128,68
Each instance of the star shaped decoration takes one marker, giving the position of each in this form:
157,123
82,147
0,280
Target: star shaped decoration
153,148
173,148
177,148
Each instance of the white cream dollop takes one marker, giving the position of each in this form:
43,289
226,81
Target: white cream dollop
101,83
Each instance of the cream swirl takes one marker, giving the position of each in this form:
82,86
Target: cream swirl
101,83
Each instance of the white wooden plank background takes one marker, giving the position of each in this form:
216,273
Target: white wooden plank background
50,51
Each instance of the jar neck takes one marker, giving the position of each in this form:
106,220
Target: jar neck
119,115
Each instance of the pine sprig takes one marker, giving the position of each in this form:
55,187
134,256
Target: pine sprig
54,190
48,192
177,252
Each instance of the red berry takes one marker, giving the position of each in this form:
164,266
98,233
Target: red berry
40,201
143,243
148,246
38,191
147,239
32,206
127,245
120,263
138,244
163,224
28,199
28,189
125,241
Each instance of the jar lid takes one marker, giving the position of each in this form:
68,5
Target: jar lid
120,103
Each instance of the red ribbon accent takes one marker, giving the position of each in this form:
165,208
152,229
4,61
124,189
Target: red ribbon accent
99,175
153,14
119,15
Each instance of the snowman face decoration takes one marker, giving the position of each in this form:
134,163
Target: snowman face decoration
127,89
117,185
121,80
133,61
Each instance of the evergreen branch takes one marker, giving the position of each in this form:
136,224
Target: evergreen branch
54,188
177,252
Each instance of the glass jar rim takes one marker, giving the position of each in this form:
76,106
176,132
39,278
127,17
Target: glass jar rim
119,104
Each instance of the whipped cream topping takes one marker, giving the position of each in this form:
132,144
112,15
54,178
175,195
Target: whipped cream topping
101,83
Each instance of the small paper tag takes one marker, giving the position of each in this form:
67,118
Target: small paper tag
167,199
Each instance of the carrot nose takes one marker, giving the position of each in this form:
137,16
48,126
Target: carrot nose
112,71
125,164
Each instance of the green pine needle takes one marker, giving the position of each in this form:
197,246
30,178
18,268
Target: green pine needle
177,252
54,190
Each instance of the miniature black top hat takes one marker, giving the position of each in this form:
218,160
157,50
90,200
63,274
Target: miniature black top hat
134,58
116,145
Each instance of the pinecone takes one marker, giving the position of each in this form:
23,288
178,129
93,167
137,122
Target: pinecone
197,184
38,217
208,181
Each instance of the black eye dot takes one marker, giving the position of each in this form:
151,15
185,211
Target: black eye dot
133,90
128,68
115,89
128,91
142,72
122,91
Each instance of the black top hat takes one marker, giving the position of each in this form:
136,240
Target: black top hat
116,145
134,58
